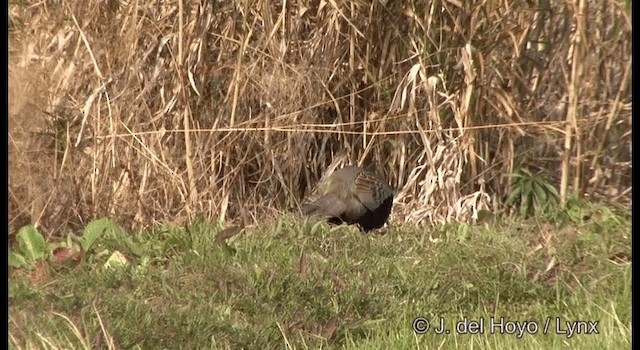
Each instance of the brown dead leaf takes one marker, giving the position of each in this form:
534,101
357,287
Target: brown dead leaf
303,263
40,273
64,255
620,258
329,329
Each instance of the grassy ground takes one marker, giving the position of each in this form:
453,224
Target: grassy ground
310,287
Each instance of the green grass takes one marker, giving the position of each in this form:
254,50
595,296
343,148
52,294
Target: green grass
330,288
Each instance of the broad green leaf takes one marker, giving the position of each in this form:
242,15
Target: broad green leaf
515,194
514,175
135,248
16,260
524,199
527,173
551,189
95,229
463,232
32,244
539,193
540,199
526,189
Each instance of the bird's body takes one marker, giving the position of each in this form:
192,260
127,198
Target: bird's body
352,195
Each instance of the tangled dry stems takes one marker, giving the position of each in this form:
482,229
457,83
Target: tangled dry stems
176,111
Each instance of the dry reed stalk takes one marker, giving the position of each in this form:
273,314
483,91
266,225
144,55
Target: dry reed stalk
231,111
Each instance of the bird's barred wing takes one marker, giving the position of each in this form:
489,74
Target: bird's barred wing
371,190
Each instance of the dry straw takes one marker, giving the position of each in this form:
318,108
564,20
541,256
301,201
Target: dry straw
221,110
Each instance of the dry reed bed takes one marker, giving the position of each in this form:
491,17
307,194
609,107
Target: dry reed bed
175,111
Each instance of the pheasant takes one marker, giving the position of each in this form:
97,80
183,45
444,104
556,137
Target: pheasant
352,195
